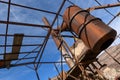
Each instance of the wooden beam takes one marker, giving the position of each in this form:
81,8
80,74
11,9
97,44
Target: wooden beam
18,38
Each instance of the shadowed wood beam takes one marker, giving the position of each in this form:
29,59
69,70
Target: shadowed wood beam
18,38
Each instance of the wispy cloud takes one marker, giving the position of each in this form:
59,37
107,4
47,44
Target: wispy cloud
3,11
12,12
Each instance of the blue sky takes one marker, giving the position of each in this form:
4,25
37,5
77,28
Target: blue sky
51,53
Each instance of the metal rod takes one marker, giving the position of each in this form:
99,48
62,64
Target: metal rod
103,6
8,17
91,69
49,32
20,53
38,53
113,18
68,36
57,70
28,53
17,59
70,2
27,7
41,50
73,77
11,35
37,74
29,63
45,62
61,64
21,45
58,12
44,45
23,24
99,63
29,67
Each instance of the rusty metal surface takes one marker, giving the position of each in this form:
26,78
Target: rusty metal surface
95,34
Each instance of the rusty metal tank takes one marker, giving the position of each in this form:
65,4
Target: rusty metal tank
93,31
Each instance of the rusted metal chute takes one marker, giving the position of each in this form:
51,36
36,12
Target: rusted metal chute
94,33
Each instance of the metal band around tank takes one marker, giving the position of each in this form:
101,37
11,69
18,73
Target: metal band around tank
85,24
70,22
